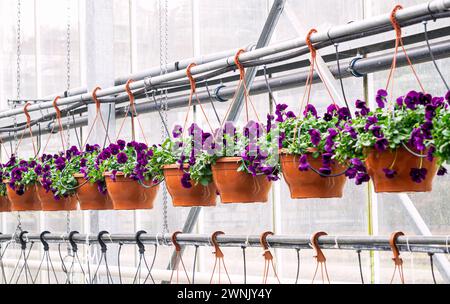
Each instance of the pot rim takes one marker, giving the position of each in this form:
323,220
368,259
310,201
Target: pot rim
6,181
174,166
110,174
231,159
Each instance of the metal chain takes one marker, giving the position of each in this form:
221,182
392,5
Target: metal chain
68,45
19,47
18,64
68,54
163,57
18,76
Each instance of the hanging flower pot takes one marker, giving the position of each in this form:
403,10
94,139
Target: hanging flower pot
197,195
309,183
400,171
5,205
238,186
28,201
50,203
89,196
129,194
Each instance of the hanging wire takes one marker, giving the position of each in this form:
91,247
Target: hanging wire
244,263
118,262
212,101
195,263
103,258
24,255
266,79
341,81
151,266
432,55
48,261
298,266
432,266
107,125
2,254
159,107
63,264
142,260
360,266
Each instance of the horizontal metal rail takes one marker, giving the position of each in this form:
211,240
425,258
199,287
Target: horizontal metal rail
351,31
420,244
363,66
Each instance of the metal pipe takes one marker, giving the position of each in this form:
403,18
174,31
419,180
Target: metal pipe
345,53
365,66
179,65
432,244
337,33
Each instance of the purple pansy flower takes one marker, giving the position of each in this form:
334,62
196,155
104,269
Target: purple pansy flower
310,109
390,173
362,178
418,175
304,165
362,107
442,171
381,144
315,136
122,158
177,131
381,98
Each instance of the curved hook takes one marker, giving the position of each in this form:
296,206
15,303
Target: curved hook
191,78
175,242
239,64
128,90
72,242
43,241
265,245
23,243
101,242
315,244
139,242
25,111
95,98
393,243
312,49
55,105
217,251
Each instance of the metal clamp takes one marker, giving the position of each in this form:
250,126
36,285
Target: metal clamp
217,94
351,67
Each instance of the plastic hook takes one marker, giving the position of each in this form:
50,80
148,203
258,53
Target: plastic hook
217,251
103,246
72,242
315,244
396,252
175,242
43,241
23,243
265,245
139,241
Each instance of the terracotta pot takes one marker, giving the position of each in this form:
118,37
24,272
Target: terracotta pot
49,203
128,194
26,202
5,205
309,184
89,197
239,187
196,196
403,164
